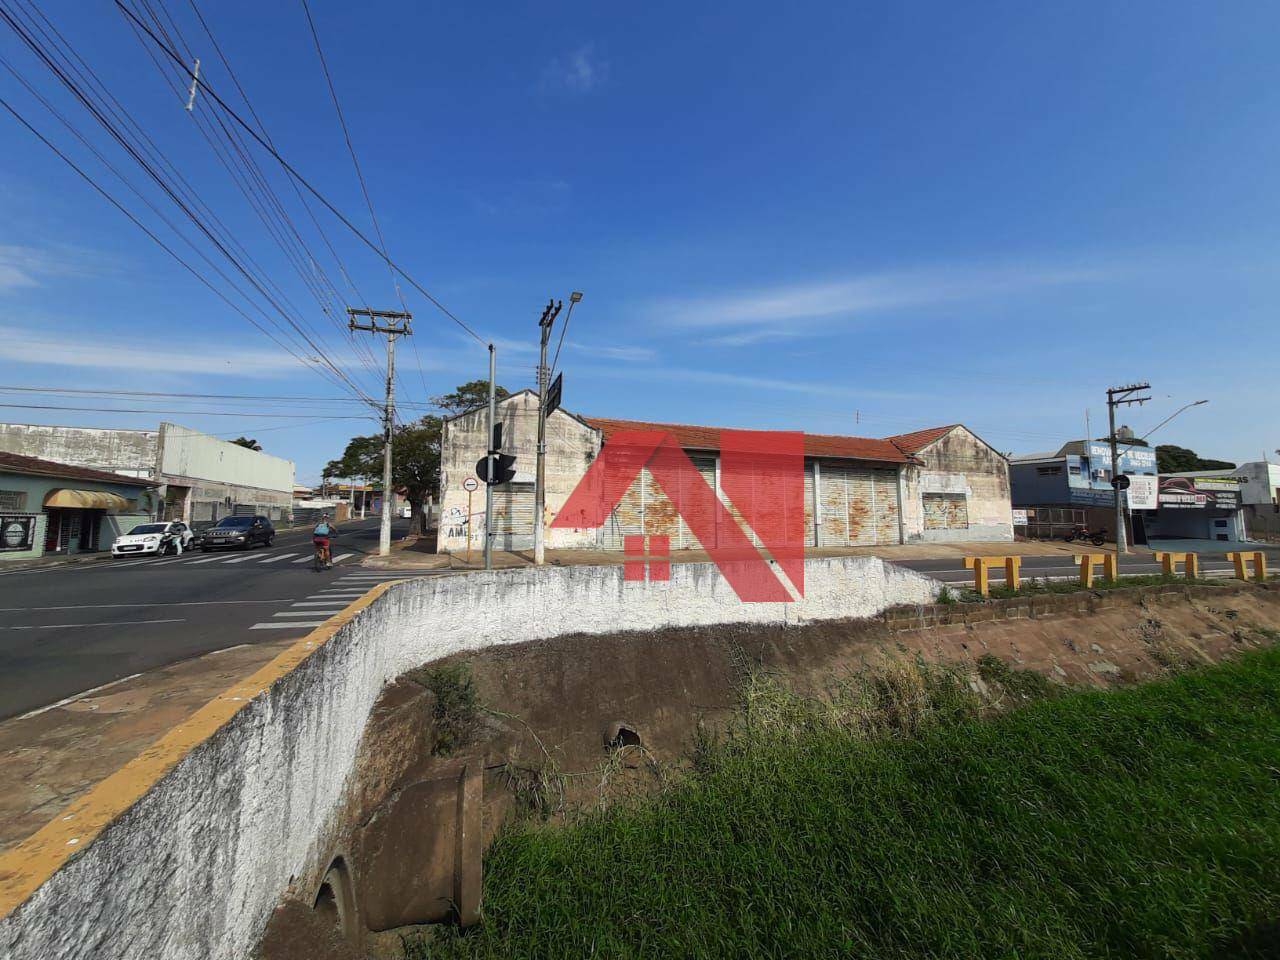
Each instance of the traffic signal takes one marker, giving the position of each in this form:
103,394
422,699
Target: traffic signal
504,468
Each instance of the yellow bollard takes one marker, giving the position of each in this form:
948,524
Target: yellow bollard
1241,560
1087,561
1169,563
1109,568
1012,569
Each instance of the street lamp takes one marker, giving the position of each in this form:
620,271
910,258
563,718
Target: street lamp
540,474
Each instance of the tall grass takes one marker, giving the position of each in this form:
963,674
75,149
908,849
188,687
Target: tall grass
1137,823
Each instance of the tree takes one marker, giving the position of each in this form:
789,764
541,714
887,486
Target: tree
415,462
1172,459
468,396
247,443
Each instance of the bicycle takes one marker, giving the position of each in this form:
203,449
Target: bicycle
323,559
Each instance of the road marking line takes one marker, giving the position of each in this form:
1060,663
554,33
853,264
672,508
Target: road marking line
342,556
336,593
288,626
247,556
278,557
114,623
298,613
177,603
206,560
76,696
339,604
306,559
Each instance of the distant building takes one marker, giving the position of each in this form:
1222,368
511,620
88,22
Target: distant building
201,478
48,507
1258,483
944,483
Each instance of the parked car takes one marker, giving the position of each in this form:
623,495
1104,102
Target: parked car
241,532
154,538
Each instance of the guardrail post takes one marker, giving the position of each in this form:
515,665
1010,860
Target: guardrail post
1169,563
1241,560
980,579
1012,569
1110,570
1087,560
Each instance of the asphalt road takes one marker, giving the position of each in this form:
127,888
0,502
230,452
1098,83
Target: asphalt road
953,571
68,629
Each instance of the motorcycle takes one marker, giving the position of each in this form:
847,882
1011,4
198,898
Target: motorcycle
1079,532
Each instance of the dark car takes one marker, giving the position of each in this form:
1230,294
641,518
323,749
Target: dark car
241,532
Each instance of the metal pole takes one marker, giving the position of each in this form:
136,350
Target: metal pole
384,535
488,487
1121,546
540,477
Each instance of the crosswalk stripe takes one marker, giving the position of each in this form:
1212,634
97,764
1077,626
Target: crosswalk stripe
331,604
206,560
287,626
303,559
279,556
334,595
299,613
342,556
247,556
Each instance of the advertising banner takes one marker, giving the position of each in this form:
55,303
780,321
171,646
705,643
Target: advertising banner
1143,492
1200,493
17,531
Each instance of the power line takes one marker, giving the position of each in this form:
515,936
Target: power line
288,167
123,141
164,395
190,413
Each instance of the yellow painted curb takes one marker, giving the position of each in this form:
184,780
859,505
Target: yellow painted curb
25,867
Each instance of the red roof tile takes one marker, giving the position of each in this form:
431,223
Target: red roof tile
914,442
17,463
815,444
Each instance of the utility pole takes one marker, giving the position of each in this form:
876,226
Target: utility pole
488,487
545,323
1115,397
395,324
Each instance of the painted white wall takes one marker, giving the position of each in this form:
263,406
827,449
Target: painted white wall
189,453
195,867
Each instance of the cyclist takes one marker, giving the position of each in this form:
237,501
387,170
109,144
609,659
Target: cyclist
320,537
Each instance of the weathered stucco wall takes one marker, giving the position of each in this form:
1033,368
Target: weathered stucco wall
194,867
131,452
957,465
571,446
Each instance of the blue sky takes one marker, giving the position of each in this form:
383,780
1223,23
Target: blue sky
842,218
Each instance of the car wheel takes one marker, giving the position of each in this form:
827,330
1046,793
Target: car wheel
270,540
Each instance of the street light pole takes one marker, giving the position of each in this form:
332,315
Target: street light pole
1115,397
545,323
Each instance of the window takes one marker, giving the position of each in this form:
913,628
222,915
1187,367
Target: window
946,511
1075,471
1053,471
14,500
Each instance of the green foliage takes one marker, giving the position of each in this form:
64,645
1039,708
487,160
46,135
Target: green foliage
945,595
247,443
1031,587
1142,822
468,396
1174,459
457,705
415,465
1020,686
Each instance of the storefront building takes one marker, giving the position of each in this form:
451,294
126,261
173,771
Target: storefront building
56,508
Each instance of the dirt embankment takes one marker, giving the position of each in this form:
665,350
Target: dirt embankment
541,722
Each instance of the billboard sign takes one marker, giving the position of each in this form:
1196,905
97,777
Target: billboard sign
17,531
1143,492
1200,493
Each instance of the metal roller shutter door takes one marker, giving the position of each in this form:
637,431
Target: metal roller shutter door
513,509
833,519
707,470
810,531
886,505
861,506
627,517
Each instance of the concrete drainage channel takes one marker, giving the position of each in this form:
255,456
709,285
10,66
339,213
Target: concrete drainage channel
305,791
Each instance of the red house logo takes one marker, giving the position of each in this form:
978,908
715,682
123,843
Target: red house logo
762,477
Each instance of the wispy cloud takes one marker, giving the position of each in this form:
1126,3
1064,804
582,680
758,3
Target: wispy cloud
579,71
693,376
28,266
96,351
812,305
615,352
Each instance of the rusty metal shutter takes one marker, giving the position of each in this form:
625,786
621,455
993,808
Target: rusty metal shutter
687,541
513,509
861,506
945,511
833,521
627,517
886,504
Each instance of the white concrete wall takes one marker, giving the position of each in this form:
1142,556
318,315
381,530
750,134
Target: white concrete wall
189,453
194,868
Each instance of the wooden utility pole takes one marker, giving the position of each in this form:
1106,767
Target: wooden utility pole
545,323
394,324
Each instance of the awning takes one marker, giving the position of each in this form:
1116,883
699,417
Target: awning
86,500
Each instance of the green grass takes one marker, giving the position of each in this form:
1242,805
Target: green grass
1142,822
456,710
1032,586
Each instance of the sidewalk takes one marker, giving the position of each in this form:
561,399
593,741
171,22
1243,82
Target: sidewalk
419,554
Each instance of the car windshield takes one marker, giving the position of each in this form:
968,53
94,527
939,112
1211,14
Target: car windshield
150,528
235,522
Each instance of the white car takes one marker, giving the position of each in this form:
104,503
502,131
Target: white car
155,539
